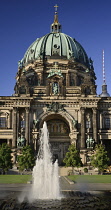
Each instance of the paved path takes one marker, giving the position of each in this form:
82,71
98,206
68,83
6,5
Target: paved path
64,185
84,186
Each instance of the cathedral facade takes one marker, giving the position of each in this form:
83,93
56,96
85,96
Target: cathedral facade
55,83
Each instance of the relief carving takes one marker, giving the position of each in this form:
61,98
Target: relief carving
55,106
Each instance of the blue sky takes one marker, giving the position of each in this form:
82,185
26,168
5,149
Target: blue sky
22,21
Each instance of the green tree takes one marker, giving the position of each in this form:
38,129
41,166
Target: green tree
100,159
5,158
72,157
26,160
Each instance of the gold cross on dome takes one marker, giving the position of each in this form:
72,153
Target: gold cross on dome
56,6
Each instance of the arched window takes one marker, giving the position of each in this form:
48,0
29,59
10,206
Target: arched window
23,124
22,90
106,123
87,91
88,124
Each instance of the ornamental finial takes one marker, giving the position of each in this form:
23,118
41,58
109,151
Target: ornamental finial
56,26
56,7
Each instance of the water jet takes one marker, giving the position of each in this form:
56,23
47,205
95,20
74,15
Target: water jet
45,177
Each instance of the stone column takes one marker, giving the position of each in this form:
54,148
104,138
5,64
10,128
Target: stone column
83,143
76,80
67,80
36,142
95,124
8,120
14,142
100,121
18,126
8,142
27,126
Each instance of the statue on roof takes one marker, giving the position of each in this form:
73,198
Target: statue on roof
20,64
91,63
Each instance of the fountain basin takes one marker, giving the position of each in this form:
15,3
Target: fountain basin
72,200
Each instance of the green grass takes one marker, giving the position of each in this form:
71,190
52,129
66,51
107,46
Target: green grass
90,178
14,179
22,179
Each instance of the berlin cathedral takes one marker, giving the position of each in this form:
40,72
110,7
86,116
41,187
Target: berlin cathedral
55,82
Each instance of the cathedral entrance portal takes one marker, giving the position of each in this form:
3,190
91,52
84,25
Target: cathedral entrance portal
59,138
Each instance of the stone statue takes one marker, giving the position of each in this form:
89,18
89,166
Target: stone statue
21,142
20,64
16,88
74,123
90,142
36,123
18,141
55,88
91,63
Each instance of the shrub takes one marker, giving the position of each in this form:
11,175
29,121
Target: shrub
100,159
85,170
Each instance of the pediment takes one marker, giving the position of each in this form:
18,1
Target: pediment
55,72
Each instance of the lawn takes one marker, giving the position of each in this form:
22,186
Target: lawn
22,179
90,178
14,179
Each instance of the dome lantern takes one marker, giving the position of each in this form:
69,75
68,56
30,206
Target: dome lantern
56,26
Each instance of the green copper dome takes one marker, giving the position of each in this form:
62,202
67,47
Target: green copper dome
55,45
58,46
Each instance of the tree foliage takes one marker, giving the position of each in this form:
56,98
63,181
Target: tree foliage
100,159
5,158
72,157
26,160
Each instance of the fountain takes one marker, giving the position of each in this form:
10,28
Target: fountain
44,192
45,179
